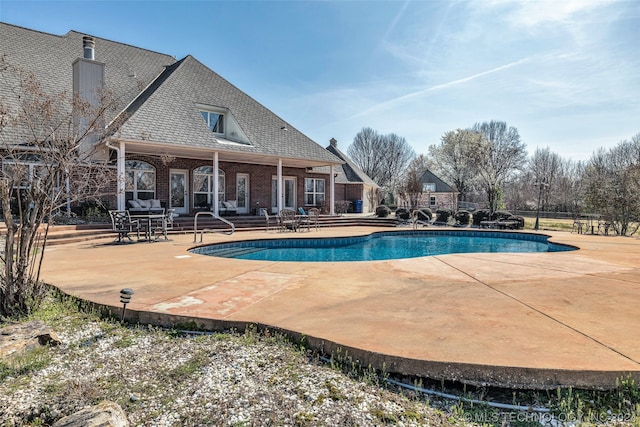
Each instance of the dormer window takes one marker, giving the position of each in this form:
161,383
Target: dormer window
214,120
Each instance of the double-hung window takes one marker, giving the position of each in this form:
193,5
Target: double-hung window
214,120
203,186
313,191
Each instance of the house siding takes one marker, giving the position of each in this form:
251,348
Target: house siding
260,177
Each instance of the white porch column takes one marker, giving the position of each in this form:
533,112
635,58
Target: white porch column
280,185
121,177
216,180
332,208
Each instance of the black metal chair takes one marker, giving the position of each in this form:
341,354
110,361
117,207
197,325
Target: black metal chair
161,226
122,224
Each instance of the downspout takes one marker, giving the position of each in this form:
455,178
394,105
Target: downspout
120,173
332,207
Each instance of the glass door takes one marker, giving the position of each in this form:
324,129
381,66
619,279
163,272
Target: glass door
289,201
179,197
242,193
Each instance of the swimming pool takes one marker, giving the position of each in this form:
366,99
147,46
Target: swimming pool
382,246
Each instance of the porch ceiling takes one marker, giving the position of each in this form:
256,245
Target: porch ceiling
151,149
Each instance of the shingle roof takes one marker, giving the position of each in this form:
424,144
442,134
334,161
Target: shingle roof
350,172
429,177
160,94
188,84
49,57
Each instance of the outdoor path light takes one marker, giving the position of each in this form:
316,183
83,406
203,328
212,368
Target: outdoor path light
125,298
541,185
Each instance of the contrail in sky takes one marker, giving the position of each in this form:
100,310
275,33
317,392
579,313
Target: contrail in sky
446,85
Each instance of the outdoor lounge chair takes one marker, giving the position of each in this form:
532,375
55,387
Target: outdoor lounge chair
229,207
122,224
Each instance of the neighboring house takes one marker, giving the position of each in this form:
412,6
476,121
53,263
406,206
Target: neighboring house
352,184
437,194
183,135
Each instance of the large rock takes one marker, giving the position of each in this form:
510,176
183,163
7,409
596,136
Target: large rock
105,414
25,336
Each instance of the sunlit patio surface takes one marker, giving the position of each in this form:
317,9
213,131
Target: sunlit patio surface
535,320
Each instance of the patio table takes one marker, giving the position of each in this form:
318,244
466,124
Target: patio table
147,221
303,221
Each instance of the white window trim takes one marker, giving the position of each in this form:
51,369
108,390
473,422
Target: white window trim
315,193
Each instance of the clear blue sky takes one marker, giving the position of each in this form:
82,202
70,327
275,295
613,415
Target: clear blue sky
565,73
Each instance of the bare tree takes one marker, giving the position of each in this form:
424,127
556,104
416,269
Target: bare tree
411,187
46,165
612,181
570,187
501,154
383,158
545,167
456,159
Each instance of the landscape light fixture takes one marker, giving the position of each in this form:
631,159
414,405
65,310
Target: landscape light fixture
540,184
125,298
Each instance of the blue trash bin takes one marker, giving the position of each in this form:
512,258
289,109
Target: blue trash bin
358,206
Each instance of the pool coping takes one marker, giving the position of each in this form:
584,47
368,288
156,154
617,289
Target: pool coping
568,337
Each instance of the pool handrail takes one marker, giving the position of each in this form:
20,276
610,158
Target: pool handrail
195,224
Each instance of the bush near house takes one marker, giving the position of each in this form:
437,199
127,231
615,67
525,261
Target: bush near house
463,217
383,211
520,221
342,206
424,214
501,215
403,214
443,216
481,215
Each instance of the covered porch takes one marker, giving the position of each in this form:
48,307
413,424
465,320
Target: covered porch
182,178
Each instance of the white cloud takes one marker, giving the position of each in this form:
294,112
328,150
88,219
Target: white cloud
543,12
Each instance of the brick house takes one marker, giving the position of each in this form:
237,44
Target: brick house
178,122
352,185
437,194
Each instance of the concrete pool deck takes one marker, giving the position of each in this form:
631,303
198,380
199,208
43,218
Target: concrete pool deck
534,320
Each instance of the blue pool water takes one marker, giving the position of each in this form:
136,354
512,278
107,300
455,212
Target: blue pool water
382,246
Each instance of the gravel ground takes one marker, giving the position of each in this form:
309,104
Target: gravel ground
165,379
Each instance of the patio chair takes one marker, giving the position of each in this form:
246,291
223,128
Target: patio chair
122,224
578,226
604,227
161,226
288,220
313,217
269,219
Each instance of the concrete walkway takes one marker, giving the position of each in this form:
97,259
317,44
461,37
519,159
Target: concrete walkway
534,320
